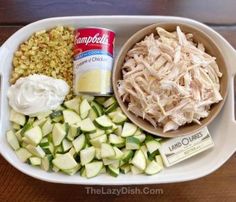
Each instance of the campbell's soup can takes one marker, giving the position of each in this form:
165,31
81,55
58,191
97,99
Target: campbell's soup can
93,60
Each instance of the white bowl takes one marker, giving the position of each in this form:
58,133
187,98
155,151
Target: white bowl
222,128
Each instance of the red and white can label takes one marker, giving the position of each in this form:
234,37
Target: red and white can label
93,60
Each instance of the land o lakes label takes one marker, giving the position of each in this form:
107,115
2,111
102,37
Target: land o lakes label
93,60
178,149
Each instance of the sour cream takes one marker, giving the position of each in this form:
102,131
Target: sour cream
37,93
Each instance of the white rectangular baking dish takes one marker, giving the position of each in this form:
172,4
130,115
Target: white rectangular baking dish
222,129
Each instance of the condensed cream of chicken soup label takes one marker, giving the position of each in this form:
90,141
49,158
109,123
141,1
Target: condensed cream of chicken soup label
178,149
93,58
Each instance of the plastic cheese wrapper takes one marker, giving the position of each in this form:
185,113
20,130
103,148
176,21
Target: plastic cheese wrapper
178,149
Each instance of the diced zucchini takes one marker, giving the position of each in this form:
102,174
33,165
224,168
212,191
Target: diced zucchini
100,100
112,114
139,160
129,129
152,145
48,149
26,140
26,127
17,117
24,144
103,170
56,116
96,134
135,170
152,168
84,109
60,108
36,151
127,155
23,154
132,143
159,160
47,127
108,161
87,155
35,161
55,169
114,127
58,134
18,135
145,151
149,137
83,172
151,156
71,117
89,98
93,169
107,143
118,131
104,122
141,137
73,170
46,162
116,140
34,135
96,142
66,145
109,102
138,132
39,122
119,118
113,171
44,142
125,168
109,131
97,108
58,150
42,115
16,126
31,120
107,151
122,163
98,153
72,151
66,128
118,153
92,114
79,143
111,108
73,104
87,126
73,132
12,140
65,162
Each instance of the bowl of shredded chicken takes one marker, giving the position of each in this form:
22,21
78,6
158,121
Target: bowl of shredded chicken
170,80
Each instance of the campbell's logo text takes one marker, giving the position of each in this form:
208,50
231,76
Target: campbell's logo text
93,39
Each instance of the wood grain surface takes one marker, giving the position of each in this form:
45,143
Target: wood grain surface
221,15
208,11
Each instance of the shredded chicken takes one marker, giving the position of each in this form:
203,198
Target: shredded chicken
169,80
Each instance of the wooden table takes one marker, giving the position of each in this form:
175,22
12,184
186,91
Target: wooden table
221,15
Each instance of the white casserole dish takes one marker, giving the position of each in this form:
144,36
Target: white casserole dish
222,129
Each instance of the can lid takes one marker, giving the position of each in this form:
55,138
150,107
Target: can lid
93,27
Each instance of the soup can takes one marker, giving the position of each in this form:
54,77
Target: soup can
93,61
